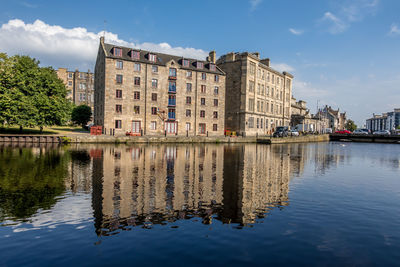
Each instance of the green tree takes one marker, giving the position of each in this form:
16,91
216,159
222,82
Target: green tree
81,115
31,95
350,125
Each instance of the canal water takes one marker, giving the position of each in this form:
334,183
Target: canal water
329,204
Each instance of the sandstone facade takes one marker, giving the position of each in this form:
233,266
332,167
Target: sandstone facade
258,97
148,93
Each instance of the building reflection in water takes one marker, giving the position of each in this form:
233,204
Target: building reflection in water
146,185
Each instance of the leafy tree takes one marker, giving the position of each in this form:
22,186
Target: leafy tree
31,95
81,114
350,125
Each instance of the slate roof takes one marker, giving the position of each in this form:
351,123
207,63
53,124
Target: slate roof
162,59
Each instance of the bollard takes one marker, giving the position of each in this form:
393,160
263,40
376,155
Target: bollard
113,132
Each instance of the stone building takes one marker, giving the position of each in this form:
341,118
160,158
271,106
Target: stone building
257,96
386,121
337,120
150,93
80,86
304,121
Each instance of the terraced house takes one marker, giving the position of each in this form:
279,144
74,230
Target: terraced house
257,96
148,93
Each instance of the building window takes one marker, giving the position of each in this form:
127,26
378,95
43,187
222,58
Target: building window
82,97
153,97
215,115
251,86
185,63
252,68
154,83
188,87
172,100
136,67
135,54
202,101
212,67
202,114
215,102
202,128
136,109
119,78
203,89
251,104
204,76
118,124
70,75
215,127
153,125
70,83
137,81
251,122
216,78
188,100
82,86
172,72
171,113
216,90
118,93
273,78
261,124
258,123
154,69
189,74
188,126
188,113
136,95
117,52
152,57
118,108
258,106
153,110
199,65
119,64
172,87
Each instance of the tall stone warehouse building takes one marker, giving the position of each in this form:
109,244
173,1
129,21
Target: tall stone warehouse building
80,86
149,93
257,96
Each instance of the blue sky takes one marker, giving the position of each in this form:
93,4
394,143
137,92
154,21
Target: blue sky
342,53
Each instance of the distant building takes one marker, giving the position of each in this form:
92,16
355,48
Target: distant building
150,93
302,118
257,96
80,86
337,120
387,121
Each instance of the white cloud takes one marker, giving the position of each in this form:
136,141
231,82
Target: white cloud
296,32
306,90
73,48
336,24
347,13
282,67
394,30
254,4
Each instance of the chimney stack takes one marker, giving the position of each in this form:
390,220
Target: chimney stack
212,57
102,39
265,61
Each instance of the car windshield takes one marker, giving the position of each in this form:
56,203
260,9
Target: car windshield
280,129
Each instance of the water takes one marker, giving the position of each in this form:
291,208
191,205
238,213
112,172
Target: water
329,204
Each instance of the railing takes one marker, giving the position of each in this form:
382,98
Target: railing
171,89
171,115
172,77
171,102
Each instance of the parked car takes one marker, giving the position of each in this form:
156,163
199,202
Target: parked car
294,133
361,131
88,126
281,131
343,132
382,132
328,130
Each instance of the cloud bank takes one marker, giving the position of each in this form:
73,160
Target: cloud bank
73,48
296,32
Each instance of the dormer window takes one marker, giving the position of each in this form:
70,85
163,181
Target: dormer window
212,67
185,63
152,57
117,52
199,65
135,54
